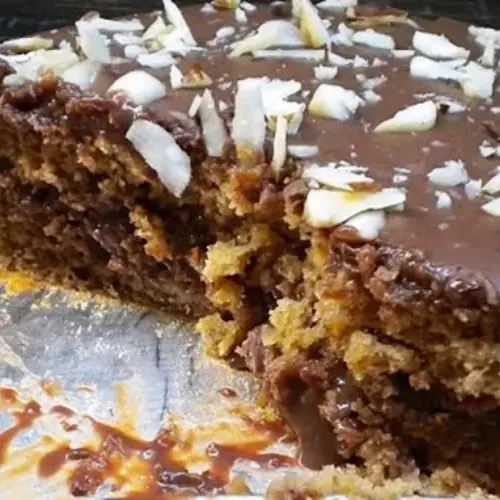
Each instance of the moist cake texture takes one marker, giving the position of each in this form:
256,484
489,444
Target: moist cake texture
318,186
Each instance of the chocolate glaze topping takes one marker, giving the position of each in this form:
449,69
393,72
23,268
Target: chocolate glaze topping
462,237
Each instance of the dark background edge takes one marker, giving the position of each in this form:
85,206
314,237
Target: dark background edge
21,17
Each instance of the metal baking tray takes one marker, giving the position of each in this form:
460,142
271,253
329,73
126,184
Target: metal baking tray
84,360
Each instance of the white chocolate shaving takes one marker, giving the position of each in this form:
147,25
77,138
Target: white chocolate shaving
83,74
29,44
93,44
372,38
325,72
337,4
314,32
443,200
175,17
417,118
334,177
162,154
157,28
333,101
212,126
272,33
492,207
279,144
156,60
493,185
140,87
452,173
249,122
113,25
438,46
302,150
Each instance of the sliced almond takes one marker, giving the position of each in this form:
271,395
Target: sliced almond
83,74
486,150
371,83
175,41
240,15
360,62
30,66
403,53
336,178
302,151
343,62
176,77
325,208
443,200
93,44
162,154
314,32
208,8
156,29
336,5
473,188
375,40
333,101
247,6
13,80
195,106
438,46
493,185
28,44
422,67
489,54
212,126
492,207
127,39
452,107
325,72
417,118
371,17
156,60
452,173
140,87
175,17
114,25
279,144
485,36
134,51
297,54
225,32
293,116
274,98
226,4
343,36
478,82
371,97
249,122
274,95
270,34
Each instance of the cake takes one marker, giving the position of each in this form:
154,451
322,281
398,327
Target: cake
316,185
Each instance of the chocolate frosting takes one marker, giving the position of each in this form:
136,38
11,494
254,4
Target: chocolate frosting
463,238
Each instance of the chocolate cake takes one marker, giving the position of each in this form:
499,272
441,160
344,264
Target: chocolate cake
316,184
